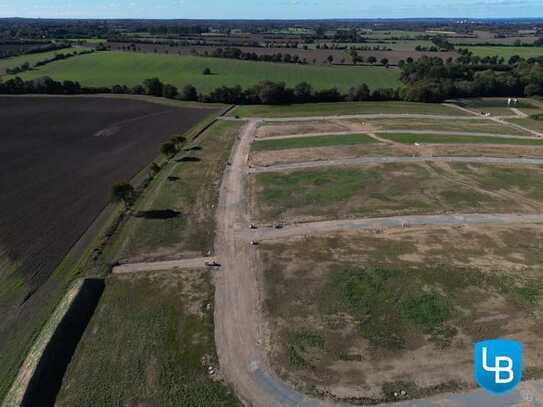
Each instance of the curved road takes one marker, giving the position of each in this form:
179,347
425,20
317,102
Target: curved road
386,160
237,314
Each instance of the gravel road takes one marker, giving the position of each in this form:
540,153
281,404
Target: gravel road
386,160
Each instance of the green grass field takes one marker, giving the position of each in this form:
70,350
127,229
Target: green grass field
389,190
187,186
148,344
31,58
317,141
506,52
532,124
110,68
345,108
498,106
475,126
454,139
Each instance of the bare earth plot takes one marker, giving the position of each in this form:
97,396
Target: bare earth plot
395,189
358,316
59,158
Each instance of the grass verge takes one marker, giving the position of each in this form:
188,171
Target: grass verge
456,139
345,108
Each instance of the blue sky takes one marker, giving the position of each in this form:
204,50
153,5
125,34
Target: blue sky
270,8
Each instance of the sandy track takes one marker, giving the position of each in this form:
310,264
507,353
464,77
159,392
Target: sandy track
237,319
386,160
237,316
161,265
300,229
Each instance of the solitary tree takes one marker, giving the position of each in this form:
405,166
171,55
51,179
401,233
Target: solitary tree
169,91
384,61
178,140
372,60
206,71
189,92
123,192
153,86
169,149
155,168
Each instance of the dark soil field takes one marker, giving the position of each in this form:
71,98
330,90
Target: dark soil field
59,158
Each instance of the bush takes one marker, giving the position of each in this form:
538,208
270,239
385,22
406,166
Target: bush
169,91
169,149
123,192
189,93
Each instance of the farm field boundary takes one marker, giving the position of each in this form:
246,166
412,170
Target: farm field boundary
41,374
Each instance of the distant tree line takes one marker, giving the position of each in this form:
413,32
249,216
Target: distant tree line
428,79
57,57
433,80
29,47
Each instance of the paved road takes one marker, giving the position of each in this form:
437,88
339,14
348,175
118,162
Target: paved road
161,265
386,160
300,229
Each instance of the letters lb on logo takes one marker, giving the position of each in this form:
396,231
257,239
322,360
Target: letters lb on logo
498,365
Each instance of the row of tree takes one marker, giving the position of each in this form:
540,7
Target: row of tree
432,80
57,57
428,79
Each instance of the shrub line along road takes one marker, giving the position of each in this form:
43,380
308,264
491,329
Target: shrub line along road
386,160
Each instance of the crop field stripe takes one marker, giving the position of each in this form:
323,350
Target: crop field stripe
506,52
406,138
313,141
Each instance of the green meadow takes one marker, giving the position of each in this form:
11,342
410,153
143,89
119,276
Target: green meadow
111,68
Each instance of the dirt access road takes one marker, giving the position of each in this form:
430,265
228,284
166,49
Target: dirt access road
386,160
301,229
238,319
